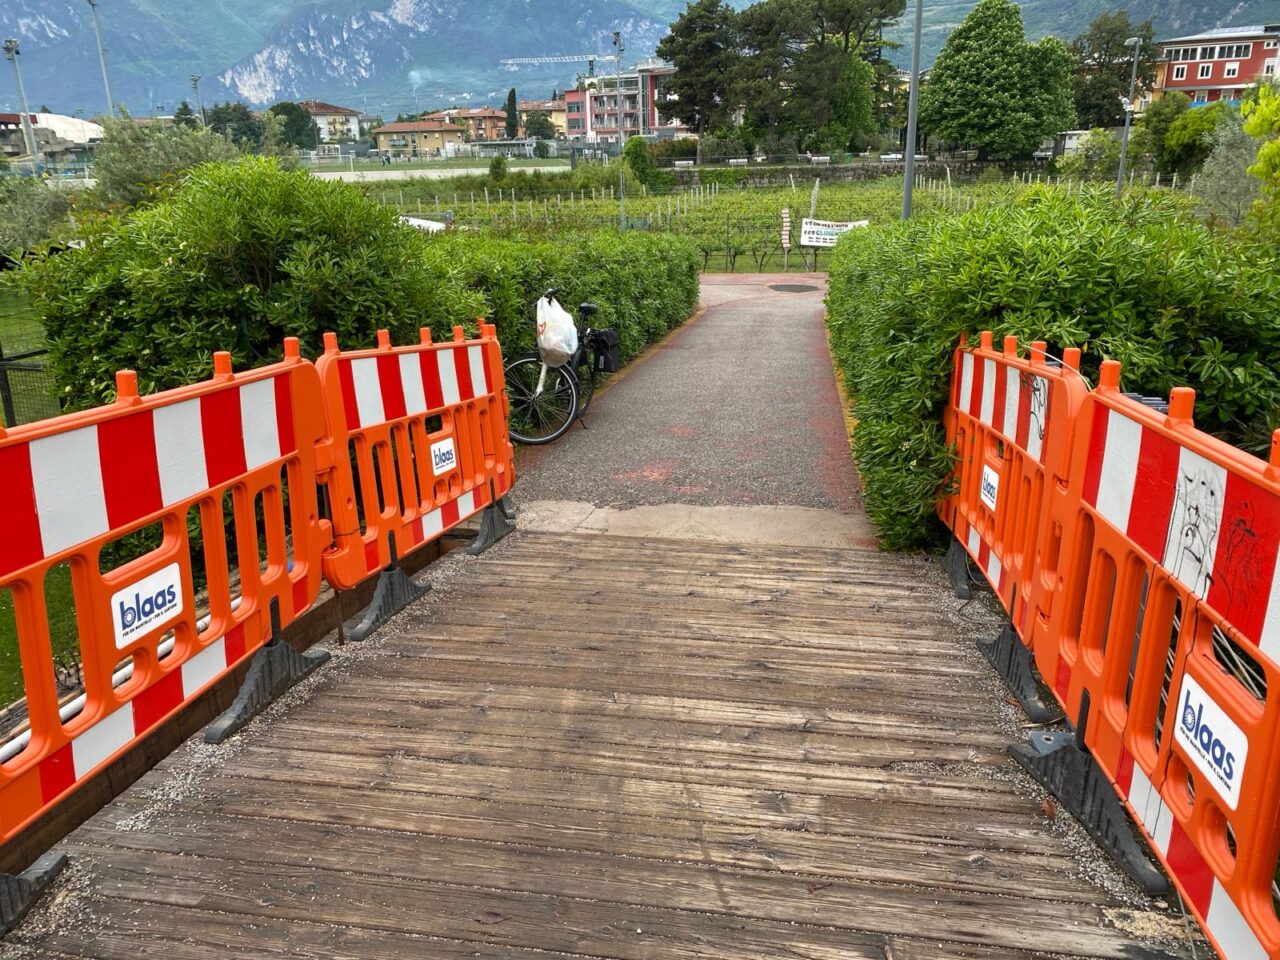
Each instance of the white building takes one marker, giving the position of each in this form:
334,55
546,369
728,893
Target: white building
333,123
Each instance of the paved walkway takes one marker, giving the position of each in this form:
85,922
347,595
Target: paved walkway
651,746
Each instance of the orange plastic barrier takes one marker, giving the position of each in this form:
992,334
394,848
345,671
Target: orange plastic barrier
239,450
1010,421
1168,636
420,444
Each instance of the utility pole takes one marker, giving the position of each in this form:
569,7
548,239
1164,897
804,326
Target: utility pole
913,105
11,53
622,166
1129,107
102,57
195,85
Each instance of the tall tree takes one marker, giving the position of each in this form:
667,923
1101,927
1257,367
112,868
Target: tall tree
1104,65
852,23
703,47
184,116
513,115
235,120
299,128
1153,129
538,125
992,90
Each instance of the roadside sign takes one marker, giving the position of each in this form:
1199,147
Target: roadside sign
825,233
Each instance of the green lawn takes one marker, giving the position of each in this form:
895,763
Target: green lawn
29,392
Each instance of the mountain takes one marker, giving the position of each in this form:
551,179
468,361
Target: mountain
388,56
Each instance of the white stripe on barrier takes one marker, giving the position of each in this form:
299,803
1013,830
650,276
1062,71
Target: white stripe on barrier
1192,540
448,377
1119,469
432,524
180,451
475,357
368,389
110,734
466,504
987,412
205,667
1269,637
966,380
67,474
994,569
1229,927
1012,403
974,540
415,398
258,424
1037,415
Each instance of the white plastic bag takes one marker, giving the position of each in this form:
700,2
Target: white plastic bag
557,336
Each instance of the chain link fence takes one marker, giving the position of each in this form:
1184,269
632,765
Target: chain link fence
27,388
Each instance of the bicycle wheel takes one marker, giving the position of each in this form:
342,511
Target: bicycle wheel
584,369
543,405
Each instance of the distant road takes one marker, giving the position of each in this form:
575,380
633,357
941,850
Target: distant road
374,176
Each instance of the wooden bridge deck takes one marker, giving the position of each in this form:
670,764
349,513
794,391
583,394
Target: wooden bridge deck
596,746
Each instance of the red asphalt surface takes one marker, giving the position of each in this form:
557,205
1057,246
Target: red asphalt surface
738,406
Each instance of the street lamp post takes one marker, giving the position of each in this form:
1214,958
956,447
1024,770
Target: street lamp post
913,105
11,53
622,167
195,85
1129,106
102,57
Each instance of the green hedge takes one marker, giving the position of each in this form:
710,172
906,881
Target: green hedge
241,255
1137,281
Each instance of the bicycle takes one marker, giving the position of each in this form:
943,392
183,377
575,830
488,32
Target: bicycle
545,401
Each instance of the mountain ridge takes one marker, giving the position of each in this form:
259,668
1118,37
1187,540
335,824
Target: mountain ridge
391,56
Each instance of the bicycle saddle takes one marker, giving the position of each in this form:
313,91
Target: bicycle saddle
588,309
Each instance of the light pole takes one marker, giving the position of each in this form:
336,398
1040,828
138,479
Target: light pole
1136,43
622,166
913,104
11,52
195,85
102,57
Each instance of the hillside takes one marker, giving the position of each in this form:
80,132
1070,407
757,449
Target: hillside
392,55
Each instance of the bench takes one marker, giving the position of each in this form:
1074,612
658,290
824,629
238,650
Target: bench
684,163
738,162
818,160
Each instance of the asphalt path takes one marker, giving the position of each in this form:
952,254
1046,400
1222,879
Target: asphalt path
737,407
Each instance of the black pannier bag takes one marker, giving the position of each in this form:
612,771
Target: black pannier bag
608,351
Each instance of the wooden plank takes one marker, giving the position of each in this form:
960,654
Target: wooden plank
480,916
949,867
317,852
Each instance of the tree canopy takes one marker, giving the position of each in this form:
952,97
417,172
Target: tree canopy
513,115
299,129
537,124
703,47
992,90
1104,66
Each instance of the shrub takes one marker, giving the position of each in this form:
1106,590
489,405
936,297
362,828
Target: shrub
1177,302
134,160
245,254
497,168
30,212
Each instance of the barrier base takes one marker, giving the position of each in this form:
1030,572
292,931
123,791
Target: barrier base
496,521
277,667
395,591
1012,661
1071,774
19,894
956,562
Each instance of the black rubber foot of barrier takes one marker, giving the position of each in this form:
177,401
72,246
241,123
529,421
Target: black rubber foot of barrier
19,894
1013,662
956,562
275,668
497,520
1055,759
395,591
